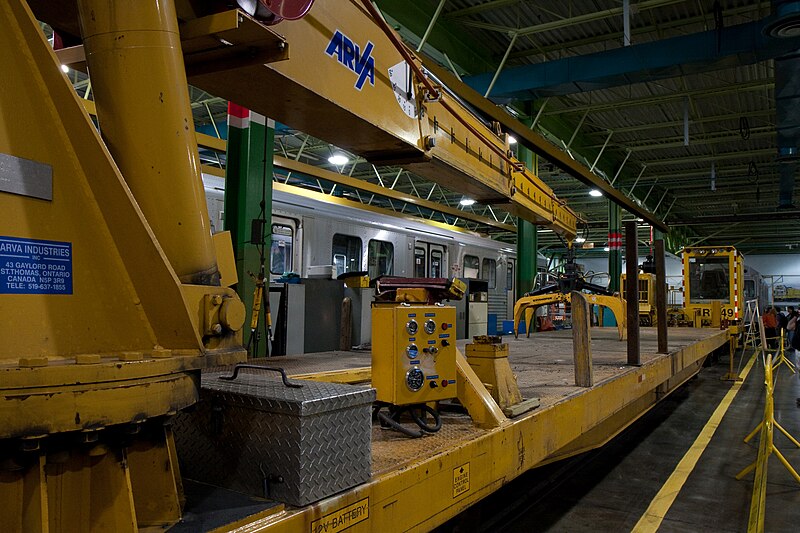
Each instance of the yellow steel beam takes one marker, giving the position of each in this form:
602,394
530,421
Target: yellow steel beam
541,146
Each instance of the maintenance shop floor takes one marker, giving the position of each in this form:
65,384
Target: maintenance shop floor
610,489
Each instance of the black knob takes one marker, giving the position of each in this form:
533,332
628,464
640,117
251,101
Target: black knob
445,342
433,384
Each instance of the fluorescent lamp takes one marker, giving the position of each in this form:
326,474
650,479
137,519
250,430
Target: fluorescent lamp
467,201
580,239
595,192
606,249
338,160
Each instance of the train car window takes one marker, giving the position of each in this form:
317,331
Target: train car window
472,266
346,253
489,271
280,252
420,262
509,276
436,264
709,279
749,289
380,258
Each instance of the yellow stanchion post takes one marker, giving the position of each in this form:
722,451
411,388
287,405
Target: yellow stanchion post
782,359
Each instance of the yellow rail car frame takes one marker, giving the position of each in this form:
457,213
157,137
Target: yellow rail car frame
429,491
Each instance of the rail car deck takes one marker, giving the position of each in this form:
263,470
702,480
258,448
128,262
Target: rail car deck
414,485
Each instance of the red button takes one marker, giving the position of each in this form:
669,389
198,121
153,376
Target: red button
444,383
444,326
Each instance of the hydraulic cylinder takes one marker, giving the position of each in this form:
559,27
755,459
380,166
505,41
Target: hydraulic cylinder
136,67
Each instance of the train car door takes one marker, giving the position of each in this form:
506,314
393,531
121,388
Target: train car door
511,286
430,260
286,247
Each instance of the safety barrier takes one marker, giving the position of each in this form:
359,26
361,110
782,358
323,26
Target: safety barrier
766,448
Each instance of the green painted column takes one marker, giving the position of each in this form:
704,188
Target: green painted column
527,237
614,246
248,182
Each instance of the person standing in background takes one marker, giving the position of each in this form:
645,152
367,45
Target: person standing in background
791,325
770,320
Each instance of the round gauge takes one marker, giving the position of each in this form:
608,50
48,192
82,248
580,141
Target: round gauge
415,379
412,327
430,327
412,351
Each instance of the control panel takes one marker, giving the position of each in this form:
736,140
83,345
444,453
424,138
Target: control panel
413,353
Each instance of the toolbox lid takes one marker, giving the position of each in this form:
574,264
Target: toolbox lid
267,392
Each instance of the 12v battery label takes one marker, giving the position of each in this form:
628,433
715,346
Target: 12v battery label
30,266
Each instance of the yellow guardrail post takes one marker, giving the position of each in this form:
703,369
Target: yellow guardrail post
781,357
766,448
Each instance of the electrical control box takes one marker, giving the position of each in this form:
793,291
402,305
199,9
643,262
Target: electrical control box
413,353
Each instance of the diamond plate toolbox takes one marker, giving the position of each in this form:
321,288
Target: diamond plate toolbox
293,445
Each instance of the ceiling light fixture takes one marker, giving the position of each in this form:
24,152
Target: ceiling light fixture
595,192
64,69
580,239
467,201
606,249
338,160
512,139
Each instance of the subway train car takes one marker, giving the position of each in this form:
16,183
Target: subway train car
317,238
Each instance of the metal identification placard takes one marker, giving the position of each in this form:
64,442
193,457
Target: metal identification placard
30,266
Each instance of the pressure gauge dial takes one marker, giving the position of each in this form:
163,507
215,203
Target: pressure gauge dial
415,379
430,326
412,327
412,351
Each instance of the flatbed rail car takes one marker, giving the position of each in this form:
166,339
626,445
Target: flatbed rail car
418,484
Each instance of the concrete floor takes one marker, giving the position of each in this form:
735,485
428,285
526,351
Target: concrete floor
609,489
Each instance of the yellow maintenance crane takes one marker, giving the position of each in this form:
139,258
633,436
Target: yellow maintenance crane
114,291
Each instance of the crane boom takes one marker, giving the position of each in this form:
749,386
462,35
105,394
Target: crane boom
346,82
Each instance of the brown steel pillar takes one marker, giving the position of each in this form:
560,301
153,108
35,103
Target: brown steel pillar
632,291
661,297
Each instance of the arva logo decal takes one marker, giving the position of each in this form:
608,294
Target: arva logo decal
350,55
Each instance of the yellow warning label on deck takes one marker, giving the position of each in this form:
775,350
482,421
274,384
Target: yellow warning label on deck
342,519
460,479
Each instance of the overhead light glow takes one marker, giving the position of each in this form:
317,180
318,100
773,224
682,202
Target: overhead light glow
338,160
580,239
64,69
512,139
595,192
606,249
467,201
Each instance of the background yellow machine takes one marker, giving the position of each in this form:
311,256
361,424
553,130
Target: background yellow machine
647,291
712,274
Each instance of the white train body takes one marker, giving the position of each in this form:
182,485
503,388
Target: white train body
315,238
